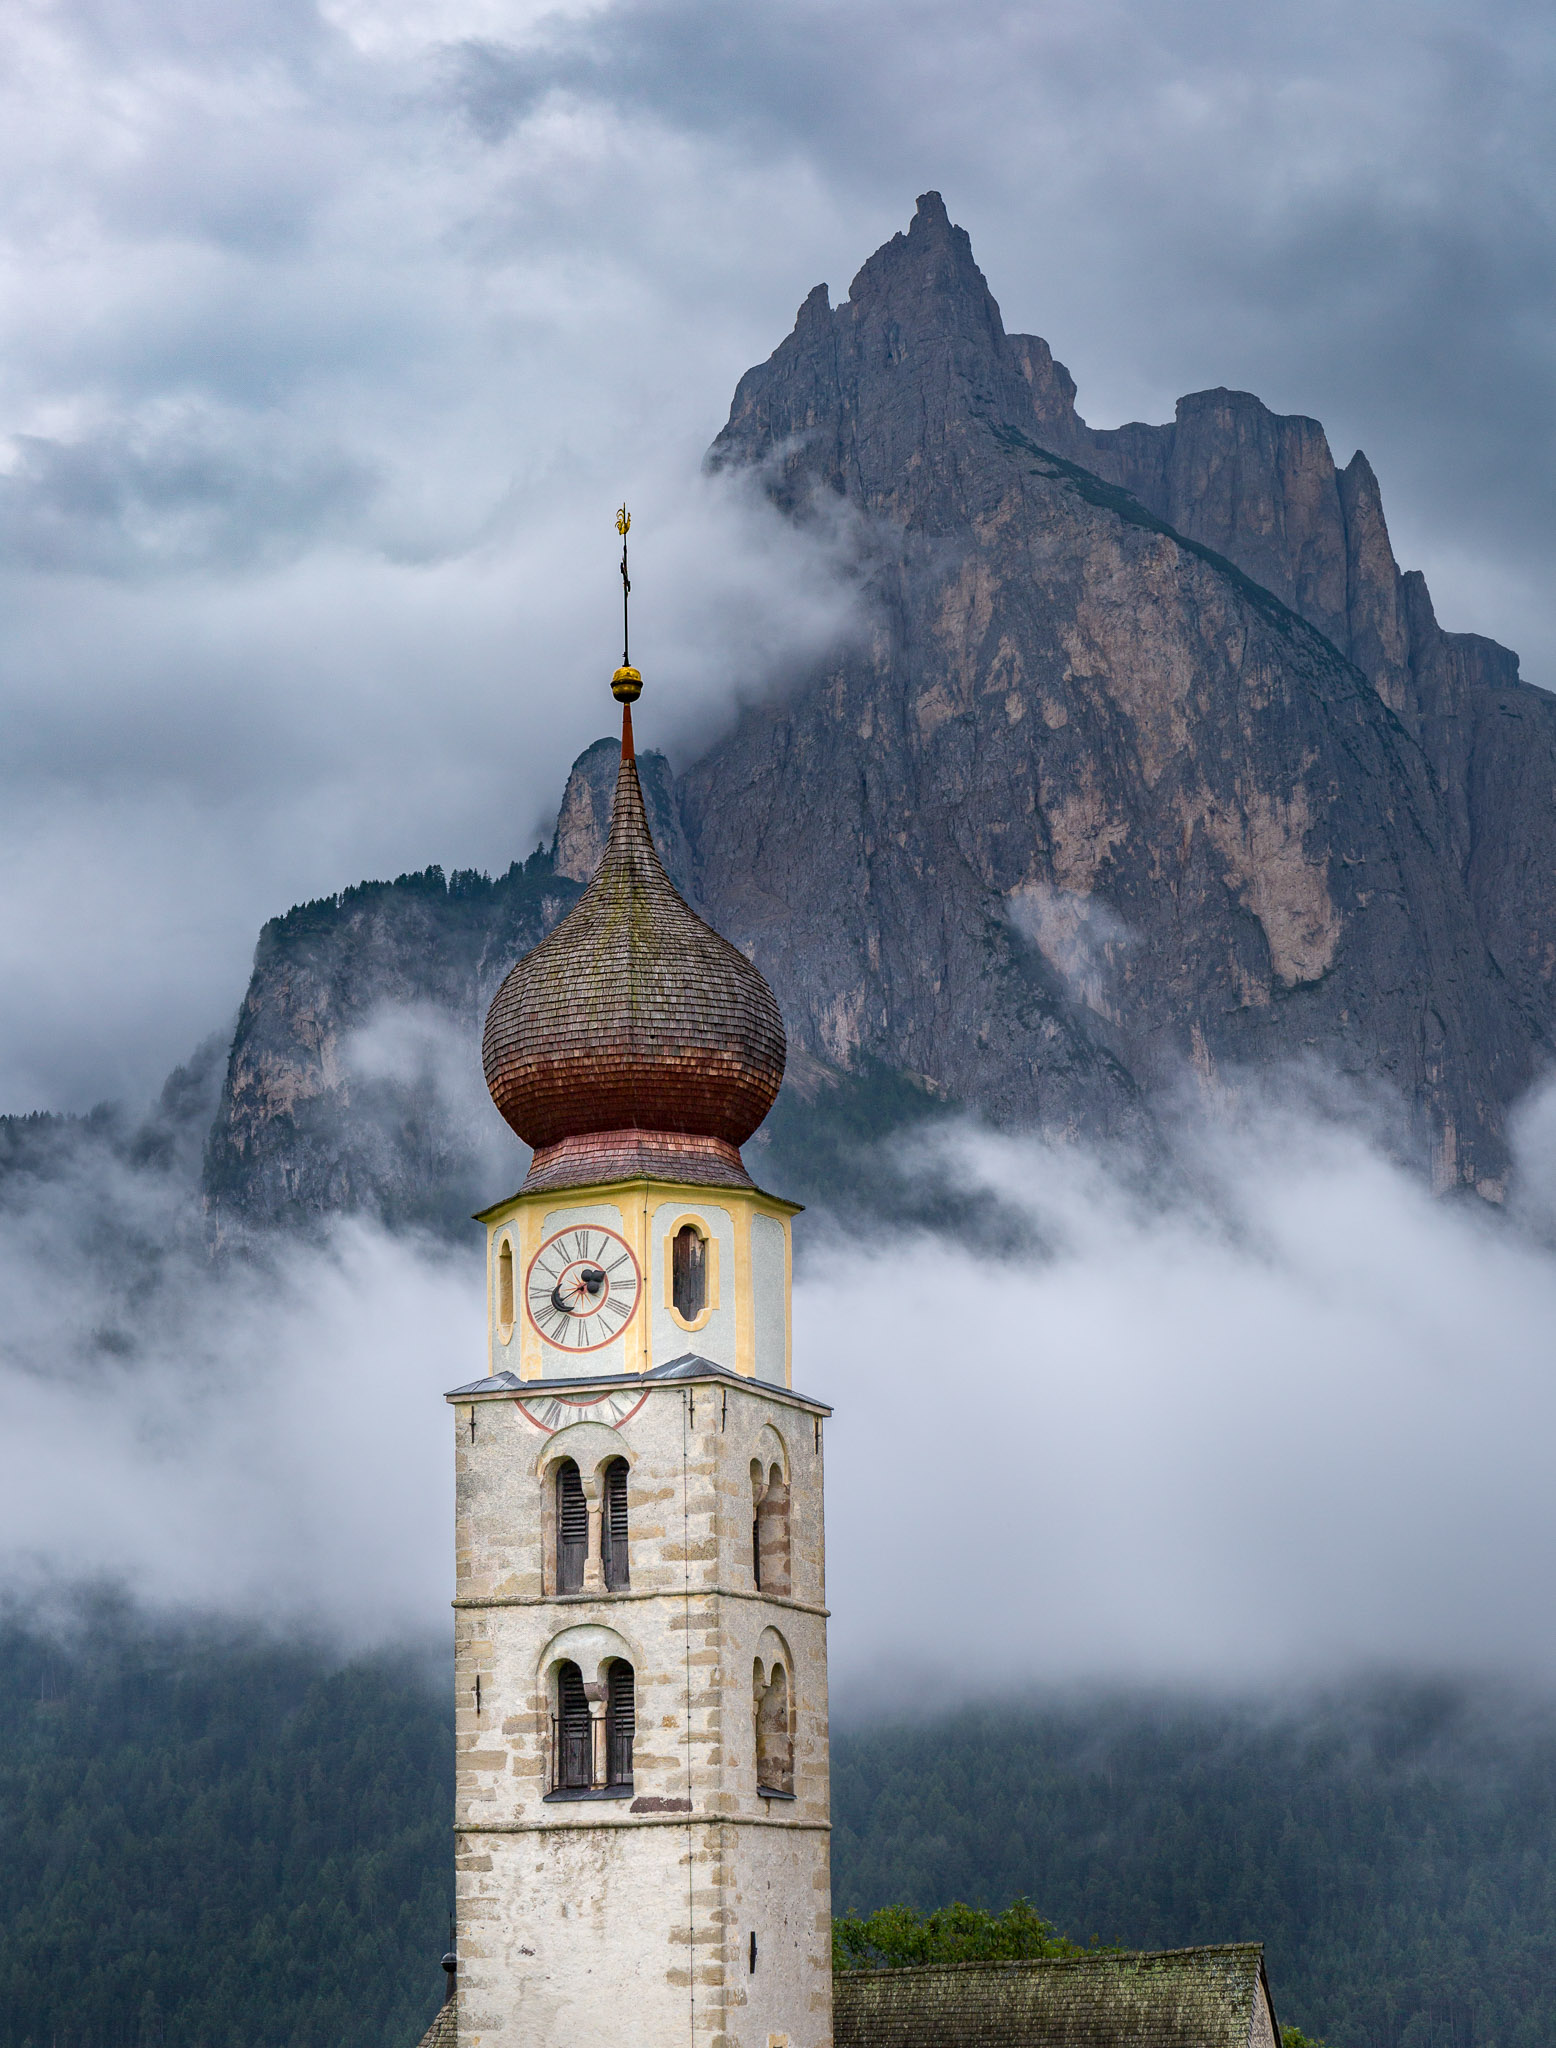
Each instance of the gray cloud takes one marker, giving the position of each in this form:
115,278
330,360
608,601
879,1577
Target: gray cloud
275,1448
181,494
336,333
1080,938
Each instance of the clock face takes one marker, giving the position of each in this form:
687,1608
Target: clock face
555,1411
582,1288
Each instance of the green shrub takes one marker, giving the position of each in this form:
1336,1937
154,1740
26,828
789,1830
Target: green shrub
895,1936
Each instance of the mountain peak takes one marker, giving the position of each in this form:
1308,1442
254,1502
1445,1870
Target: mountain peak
934,259
914,355
815,311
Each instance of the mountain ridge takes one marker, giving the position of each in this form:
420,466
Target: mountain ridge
1197,776
1154,764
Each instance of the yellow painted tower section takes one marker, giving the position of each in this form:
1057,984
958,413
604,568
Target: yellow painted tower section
744,1325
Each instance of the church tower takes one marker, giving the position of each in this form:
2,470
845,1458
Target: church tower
642,1808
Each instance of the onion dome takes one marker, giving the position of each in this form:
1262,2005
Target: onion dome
633,1042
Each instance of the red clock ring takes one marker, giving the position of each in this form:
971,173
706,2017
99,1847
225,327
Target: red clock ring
575,1401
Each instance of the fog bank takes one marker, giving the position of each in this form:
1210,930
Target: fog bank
1269,1416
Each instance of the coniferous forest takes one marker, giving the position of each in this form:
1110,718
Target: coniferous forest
215,1840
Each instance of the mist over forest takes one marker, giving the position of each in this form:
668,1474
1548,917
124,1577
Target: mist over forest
1241,1656
219,1833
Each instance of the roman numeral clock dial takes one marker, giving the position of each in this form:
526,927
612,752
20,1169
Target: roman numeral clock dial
582,1288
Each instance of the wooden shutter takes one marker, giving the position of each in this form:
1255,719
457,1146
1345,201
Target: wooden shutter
572,1529
575,1738
620,1723
614,1532
689,1272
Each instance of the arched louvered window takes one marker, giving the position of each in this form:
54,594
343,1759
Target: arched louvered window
572,1733
613,1527
689,1272
572,1529
769,1530
774,1735
505,1289
620,1722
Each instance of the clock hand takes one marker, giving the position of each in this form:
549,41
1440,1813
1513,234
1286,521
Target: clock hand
589,1282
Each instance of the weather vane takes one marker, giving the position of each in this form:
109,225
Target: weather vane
626,683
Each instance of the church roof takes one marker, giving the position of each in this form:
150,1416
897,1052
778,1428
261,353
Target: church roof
689,1366
443,2033
1174,1998
1171,1998
634,1042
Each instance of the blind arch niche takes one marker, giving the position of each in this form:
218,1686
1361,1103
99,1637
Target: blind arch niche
773,1715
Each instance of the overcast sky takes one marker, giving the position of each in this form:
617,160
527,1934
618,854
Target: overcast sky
333,335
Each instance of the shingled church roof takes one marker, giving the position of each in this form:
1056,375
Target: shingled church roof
1175,1998
443,2033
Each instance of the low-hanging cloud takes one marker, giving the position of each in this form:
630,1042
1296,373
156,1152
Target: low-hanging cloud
1278,1418
415,1114
1082,938
279,1451
1258,1412
259,1435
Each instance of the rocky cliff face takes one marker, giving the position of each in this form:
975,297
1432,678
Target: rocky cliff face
1154,762
584,822
354,1080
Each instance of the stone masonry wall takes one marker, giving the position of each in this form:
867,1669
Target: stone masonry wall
632,1916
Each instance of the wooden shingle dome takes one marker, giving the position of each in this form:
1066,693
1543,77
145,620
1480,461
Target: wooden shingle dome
633,1042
